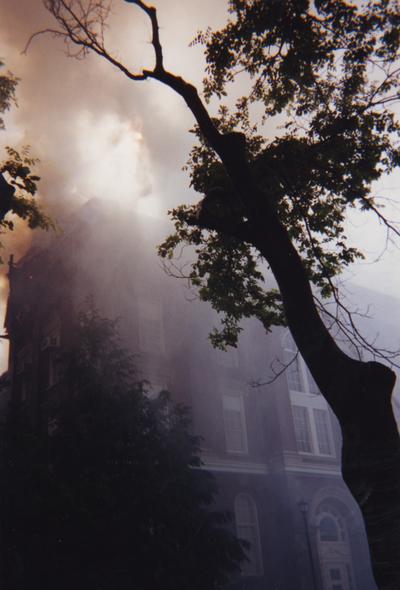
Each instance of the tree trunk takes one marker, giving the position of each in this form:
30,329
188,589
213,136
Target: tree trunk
371,466
359,393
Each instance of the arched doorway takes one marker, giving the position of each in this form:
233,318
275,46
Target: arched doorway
333,547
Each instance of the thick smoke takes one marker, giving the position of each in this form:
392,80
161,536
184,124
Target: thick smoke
83,117
96,133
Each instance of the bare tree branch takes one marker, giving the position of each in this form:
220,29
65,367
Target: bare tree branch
276,374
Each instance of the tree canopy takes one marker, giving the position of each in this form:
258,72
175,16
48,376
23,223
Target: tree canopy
113,495
328,73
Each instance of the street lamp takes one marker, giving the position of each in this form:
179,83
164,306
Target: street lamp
303,507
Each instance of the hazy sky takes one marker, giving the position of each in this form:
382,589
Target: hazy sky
99,134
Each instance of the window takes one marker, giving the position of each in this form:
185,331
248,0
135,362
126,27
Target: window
293,371
330,525
336,577
298,375
328,530
234,424
322,431
247,530
333,548
312,428
302,429
312,386
151,333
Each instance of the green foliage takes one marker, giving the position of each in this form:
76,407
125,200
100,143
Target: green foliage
8,84
19,182
331,70
18,168
226,275
114,496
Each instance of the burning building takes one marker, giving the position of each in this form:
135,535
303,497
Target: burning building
274,449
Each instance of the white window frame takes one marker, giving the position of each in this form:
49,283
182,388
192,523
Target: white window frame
303,445
313,402
307,383
235,398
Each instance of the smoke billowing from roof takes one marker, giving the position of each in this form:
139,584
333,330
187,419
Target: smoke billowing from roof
96,133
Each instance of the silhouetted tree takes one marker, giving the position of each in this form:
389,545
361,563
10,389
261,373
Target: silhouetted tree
18,190
114,495
333,68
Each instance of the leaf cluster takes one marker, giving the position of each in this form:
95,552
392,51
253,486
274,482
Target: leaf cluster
332,70
18,168
19,182
8,84
226,274
116,482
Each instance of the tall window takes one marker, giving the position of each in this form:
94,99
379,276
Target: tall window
298,375
312,428
247,529
311,421
293,374
322,431
234,424
302,429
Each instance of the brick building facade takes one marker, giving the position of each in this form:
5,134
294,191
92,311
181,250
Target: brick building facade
274,449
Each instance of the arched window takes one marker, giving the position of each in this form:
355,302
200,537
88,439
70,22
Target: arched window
328,530
330,525
247,530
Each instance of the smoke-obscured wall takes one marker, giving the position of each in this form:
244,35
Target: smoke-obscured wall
96,133
89,124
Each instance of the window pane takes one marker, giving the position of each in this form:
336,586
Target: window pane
312,386
293,371
247,530
244,511
302,432
335,574
322,429
234,424
329,533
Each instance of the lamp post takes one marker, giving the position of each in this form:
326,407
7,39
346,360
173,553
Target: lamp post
303,507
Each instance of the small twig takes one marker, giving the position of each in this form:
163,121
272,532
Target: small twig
276,374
